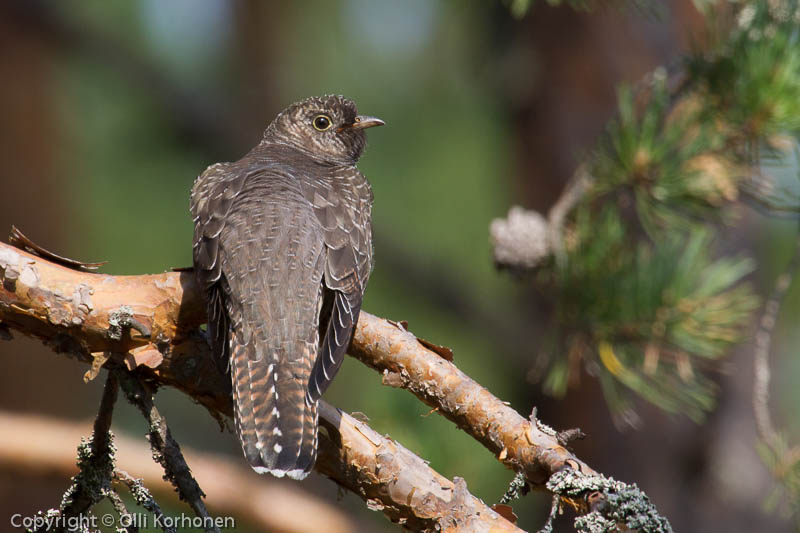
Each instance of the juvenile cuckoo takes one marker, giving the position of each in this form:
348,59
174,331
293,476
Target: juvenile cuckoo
283,249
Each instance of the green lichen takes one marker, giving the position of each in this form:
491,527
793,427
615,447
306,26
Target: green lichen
619,505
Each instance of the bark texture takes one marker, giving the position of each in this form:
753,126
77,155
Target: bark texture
150,324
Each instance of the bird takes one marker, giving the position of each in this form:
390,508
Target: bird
282,249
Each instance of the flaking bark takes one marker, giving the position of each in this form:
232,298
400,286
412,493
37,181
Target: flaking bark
89,315
518,442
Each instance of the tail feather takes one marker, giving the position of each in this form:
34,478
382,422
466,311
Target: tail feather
276,425
308,450
243,405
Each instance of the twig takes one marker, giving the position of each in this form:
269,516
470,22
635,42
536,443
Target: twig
96,462
142,496
166,450
101,439
555,505
779,454
577,186
96,459
516,489
766,428
612,505
121,509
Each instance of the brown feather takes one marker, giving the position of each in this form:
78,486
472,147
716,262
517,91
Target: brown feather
283,248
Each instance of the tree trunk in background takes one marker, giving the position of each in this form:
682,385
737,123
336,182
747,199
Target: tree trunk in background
255,45
30,190
31,198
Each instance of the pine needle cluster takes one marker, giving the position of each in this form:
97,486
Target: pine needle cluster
645,298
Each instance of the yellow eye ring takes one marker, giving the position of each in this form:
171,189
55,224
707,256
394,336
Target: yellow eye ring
322,122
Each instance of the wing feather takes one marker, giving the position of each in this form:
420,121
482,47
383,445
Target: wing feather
343,207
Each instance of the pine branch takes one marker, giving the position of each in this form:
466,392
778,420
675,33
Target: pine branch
395,481
166,450
519,443
72,311
85,316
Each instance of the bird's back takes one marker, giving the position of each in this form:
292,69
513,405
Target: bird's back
283,249
271,239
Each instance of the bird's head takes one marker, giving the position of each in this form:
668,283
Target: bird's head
328,128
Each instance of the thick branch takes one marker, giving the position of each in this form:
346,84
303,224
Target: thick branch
151,322
519,443
397,482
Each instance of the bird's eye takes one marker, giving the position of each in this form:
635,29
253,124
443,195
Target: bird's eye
322,122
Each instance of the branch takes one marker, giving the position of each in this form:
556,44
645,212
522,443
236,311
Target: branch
763,341
80,314
525,239
397,482
166,451
91,485
519,443
781,456
577,186
73,311
142,497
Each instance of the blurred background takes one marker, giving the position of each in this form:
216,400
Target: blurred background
111,109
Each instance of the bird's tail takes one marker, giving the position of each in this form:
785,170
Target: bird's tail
275,421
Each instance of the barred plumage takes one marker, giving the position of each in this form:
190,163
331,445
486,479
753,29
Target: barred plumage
283,247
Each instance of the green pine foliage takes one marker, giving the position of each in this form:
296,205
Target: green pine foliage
647,318
662,159
781,458
752,83
643,300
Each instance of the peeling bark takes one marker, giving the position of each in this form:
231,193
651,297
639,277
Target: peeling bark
88,315
519,443
395,481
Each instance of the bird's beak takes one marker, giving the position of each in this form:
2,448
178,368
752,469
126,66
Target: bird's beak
363,122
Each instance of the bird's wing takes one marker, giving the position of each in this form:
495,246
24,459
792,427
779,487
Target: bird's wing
211,199
343,207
